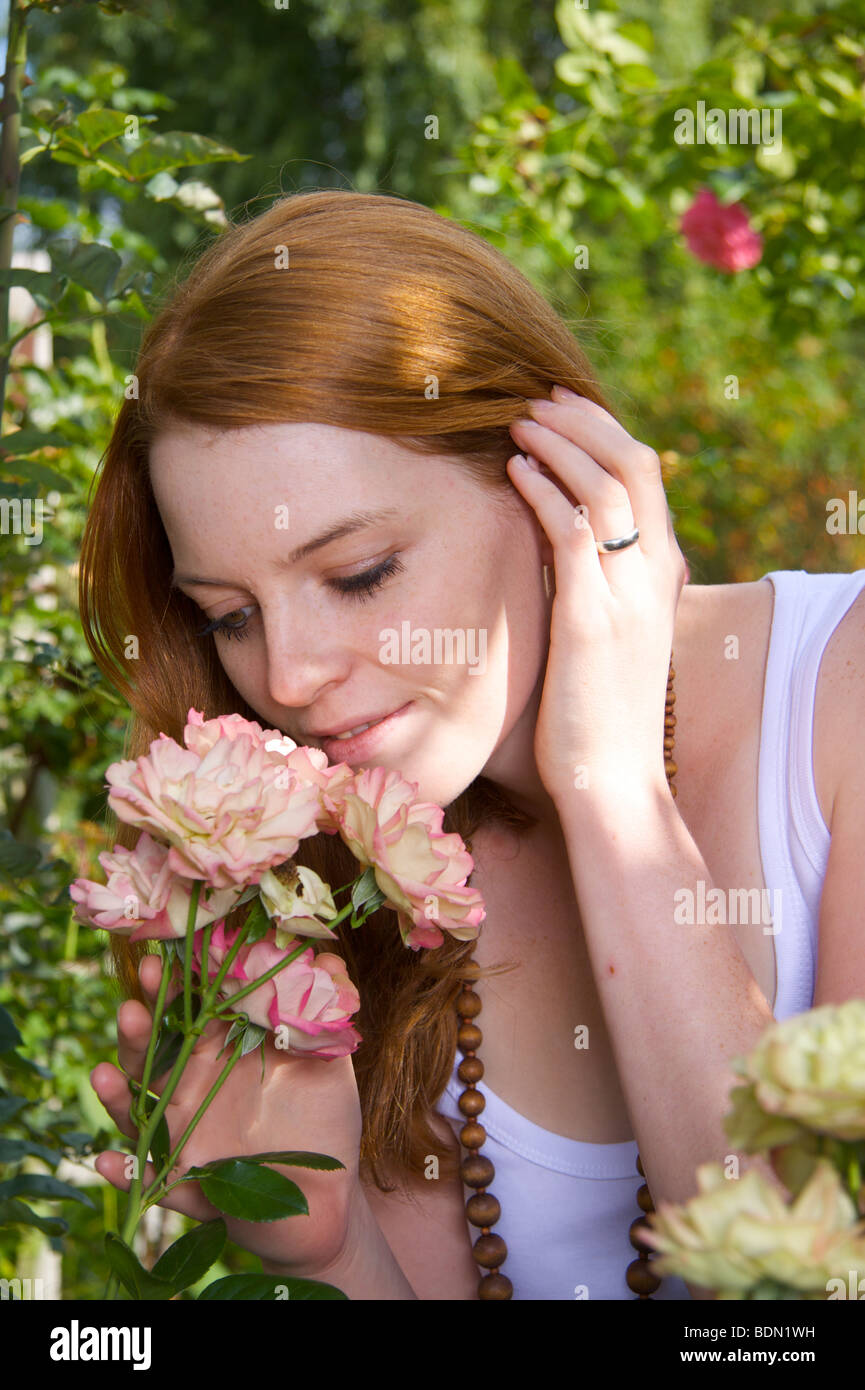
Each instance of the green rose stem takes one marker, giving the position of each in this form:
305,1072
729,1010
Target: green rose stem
854,1177
187,956
154,1192
139,1202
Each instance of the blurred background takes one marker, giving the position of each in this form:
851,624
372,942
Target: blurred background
709,263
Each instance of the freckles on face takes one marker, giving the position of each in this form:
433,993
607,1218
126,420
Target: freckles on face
454,630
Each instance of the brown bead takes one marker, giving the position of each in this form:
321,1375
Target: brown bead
640,1278
636,1234
644,1199
477,1171
471,1103
670,767
472,1135
490,1251
470,1069
483,1209
468,1004
496,1286
469,1037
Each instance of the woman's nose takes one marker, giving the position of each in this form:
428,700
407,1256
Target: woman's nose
299,667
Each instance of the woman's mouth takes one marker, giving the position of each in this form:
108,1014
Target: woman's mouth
360,742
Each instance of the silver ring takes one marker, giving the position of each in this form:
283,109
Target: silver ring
619,543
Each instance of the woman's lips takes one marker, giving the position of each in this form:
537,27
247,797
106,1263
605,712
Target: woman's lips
340,750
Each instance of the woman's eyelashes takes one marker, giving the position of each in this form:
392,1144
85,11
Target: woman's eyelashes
357,586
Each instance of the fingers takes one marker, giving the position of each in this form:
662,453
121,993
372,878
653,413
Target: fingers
150,974
112,1088
117,1168
602,465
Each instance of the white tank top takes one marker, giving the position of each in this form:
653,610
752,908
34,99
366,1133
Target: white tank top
567,1205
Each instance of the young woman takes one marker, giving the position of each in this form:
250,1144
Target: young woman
317,451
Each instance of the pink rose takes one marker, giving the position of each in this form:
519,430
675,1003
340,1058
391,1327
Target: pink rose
223,811
143,898
421,870
308,1004
201,734
313,1006
311,765
721,235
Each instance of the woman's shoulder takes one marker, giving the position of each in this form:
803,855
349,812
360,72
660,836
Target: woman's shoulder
720,647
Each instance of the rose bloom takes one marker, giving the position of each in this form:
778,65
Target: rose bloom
806,1072
227,808
721,235
413,859
312,766
739,1231
308,1004
143,898
300,907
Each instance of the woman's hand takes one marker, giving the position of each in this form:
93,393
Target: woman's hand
303,1103
601,718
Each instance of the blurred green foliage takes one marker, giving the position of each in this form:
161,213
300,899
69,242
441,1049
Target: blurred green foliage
550,129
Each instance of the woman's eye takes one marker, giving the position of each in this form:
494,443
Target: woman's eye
357,586
228,628
360,586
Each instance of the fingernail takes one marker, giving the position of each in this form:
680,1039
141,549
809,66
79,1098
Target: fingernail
565,391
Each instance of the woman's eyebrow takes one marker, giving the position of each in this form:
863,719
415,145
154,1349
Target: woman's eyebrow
355,521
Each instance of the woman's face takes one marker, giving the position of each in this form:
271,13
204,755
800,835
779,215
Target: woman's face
449,632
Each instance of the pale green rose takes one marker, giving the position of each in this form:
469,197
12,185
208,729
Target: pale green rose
737,1233
805,1072
300,906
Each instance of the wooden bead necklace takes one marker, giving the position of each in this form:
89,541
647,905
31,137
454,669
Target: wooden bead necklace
476,1171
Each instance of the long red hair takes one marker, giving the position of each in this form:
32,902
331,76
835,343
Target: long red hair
363,311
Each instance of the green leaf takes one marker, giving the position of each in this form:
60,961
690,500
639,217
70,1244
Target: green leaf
638,75
87,263
365,888
44,1186
9,1035
296,1158
190,1257
10,1105
253,1036
36,282
250,1192
167,1052
30,441
257,924
138,1281
16,859
14,1213
95,128
37,473
261,1287
13,1150
160,1144
175,149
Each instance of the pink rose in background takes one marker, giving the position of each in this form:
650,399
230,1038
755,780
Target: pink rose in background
309,1003
413,859
143,898
223,812
721,235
